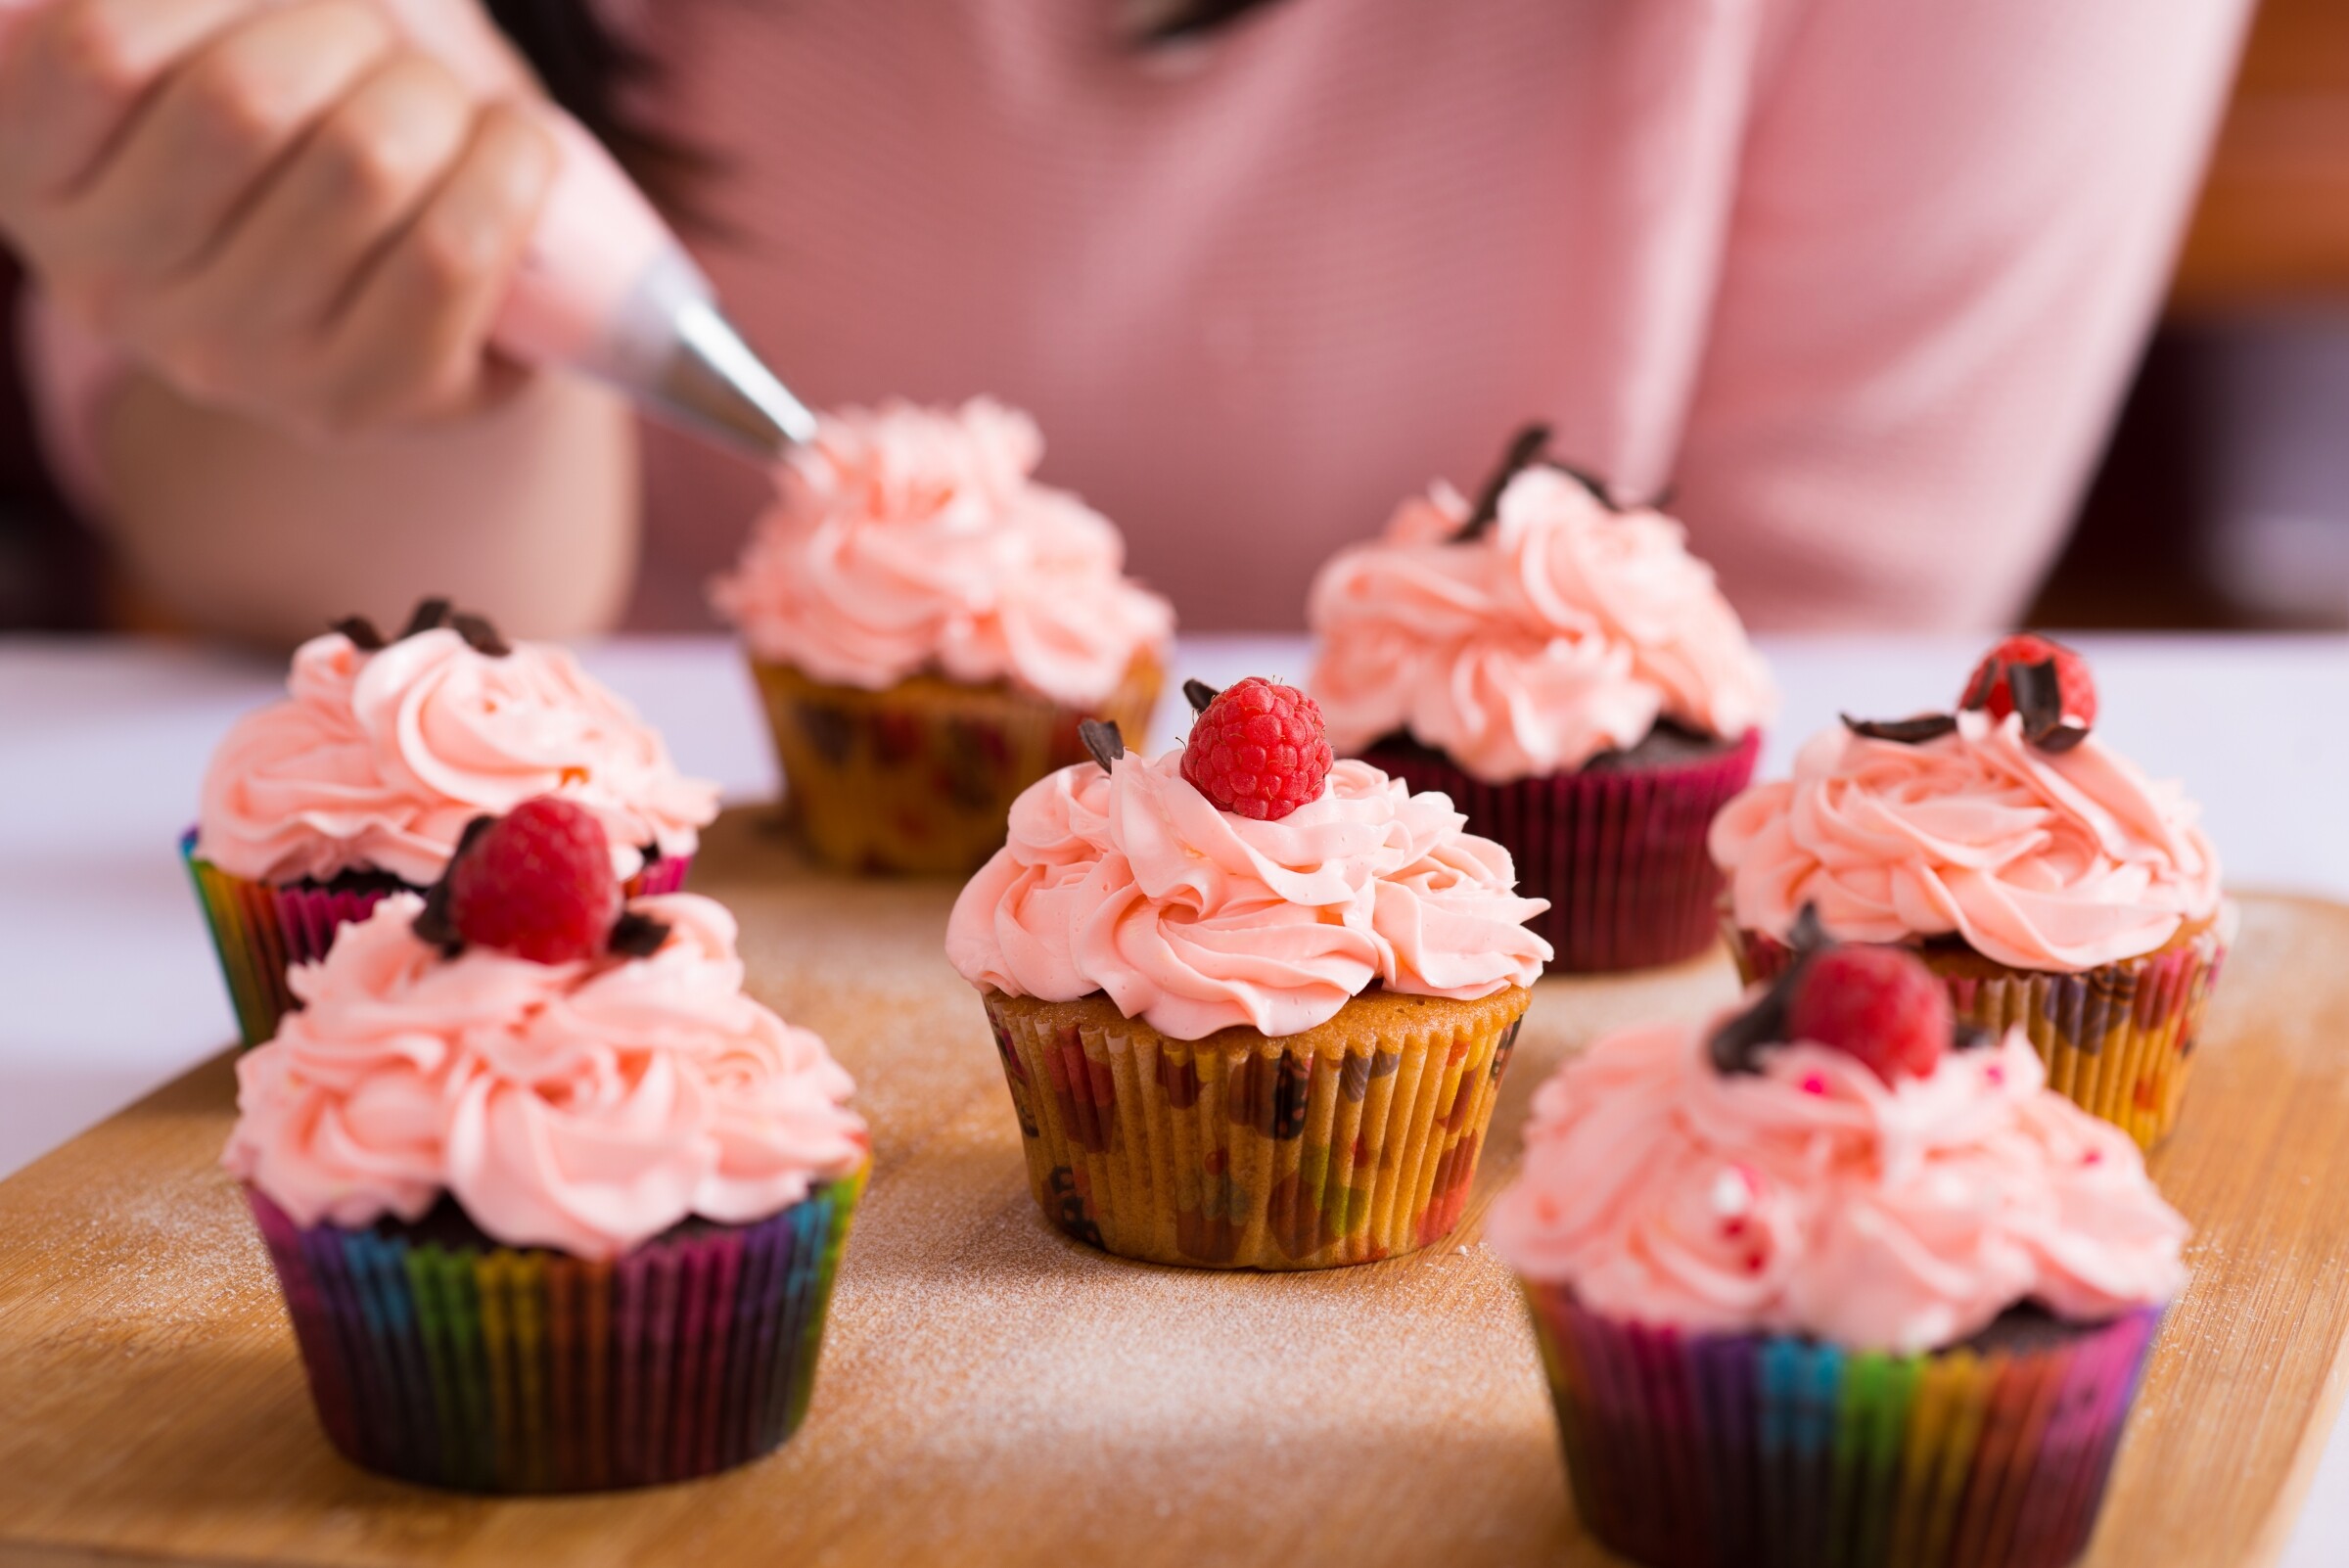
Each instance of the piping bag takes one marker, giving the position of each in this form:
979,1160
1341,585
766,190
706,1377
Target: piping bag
604,288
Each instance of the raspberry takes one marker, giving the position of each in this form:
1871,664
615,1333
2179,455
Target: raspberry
1987,687
1880,1005
1259,750
536,883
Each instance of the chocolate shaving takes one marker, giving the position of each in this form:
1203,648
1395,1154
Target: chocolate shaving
638,936
1199,694
431,923
1523,450
1809,932
479,636
1590,481
1907,732
1734,1042
429,615
1102,740
2062,738
362,634
2038,694
1968,1036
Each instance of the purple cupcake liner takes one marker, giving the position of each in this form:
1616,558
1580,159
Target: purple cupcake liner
1619,852
260,931
465,1364
1754,1451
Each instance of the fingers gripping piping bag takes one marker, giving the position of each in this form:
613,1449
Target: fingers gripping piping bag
604,288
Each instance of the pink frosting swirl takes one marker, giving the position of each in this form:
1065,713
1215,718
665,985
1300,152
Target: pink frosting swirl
2038,859
1813,1198
909,539
1562,631
377,761
1133,884
583,1106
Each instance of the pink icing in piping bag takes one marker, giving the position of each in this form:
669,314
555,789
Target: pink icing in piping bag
605,289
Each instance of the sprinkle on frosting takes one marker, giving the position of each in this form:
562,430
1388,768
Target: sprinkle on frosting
584,1106
908,540
2050,860
1133,884
1814,1197
1563,632
378,759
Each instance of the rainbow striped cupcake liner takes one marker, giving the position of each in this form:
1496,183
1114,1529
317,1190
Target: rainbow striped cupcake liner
1716,1451
260,931
1256,1156
1619,854
2118,1041
488,1369
919,778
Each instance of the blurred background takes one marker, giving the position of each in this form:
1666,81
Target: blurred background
2222,498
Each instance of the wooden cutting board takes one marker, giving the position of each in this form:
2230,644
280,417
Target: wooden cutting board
991,1393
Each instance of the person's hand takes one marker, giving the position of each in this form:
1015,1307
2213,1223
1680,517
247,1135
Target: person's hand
280,206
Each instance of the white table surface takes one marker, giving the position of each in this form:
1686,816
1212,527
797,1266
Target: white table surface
101,744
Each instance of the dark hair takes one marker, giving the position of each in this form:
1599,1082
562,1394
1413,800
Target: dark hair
589,69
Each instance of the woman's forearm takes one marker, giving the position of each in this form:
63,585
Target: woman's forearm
526,511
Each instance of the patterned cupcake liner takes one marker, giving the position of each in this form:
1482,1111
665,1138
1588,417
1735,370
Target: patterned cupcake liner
1717,1451
490,1368
919,778
1211,1155
1619,854
260,931
2118,1041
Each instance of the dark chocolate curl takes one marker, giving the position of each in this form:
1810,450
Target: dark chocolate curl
362,634
1734,1042
1524,448
1809,932
431,923
1986,681
429,615
1199,694
1968,1036
1907,732
1102,740
2062,738
1597,487
481,636
638,936
2038,696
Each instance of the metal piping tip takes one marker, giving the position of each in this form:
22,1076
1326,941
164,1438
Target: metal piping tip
713,384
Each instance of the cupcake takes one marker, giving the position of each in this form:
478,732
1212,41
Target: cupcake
554,1205
1835,1280
1569,675
2039,873
1253,1007
361,781
928,626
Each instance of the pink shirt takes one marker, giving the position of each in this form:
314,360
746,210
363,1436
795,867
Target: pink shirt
1861,280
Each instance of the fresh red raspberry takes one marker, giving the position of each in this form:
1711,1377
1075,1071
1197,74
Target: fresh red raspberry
1259,750
1987,686
1880,1005
538,882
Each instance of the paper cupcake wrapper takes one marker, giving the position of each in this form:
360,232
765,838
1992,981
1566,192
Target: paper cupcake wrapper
262,931
488,1369
1254,1157
1619,855
1712,1450
919,778
2118,1041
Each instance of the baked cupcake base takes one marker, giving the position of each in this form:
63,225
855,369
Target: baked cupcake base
437,1355
2118,1041
1722,1450
919,777
1350,1142
1617,849
261,928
